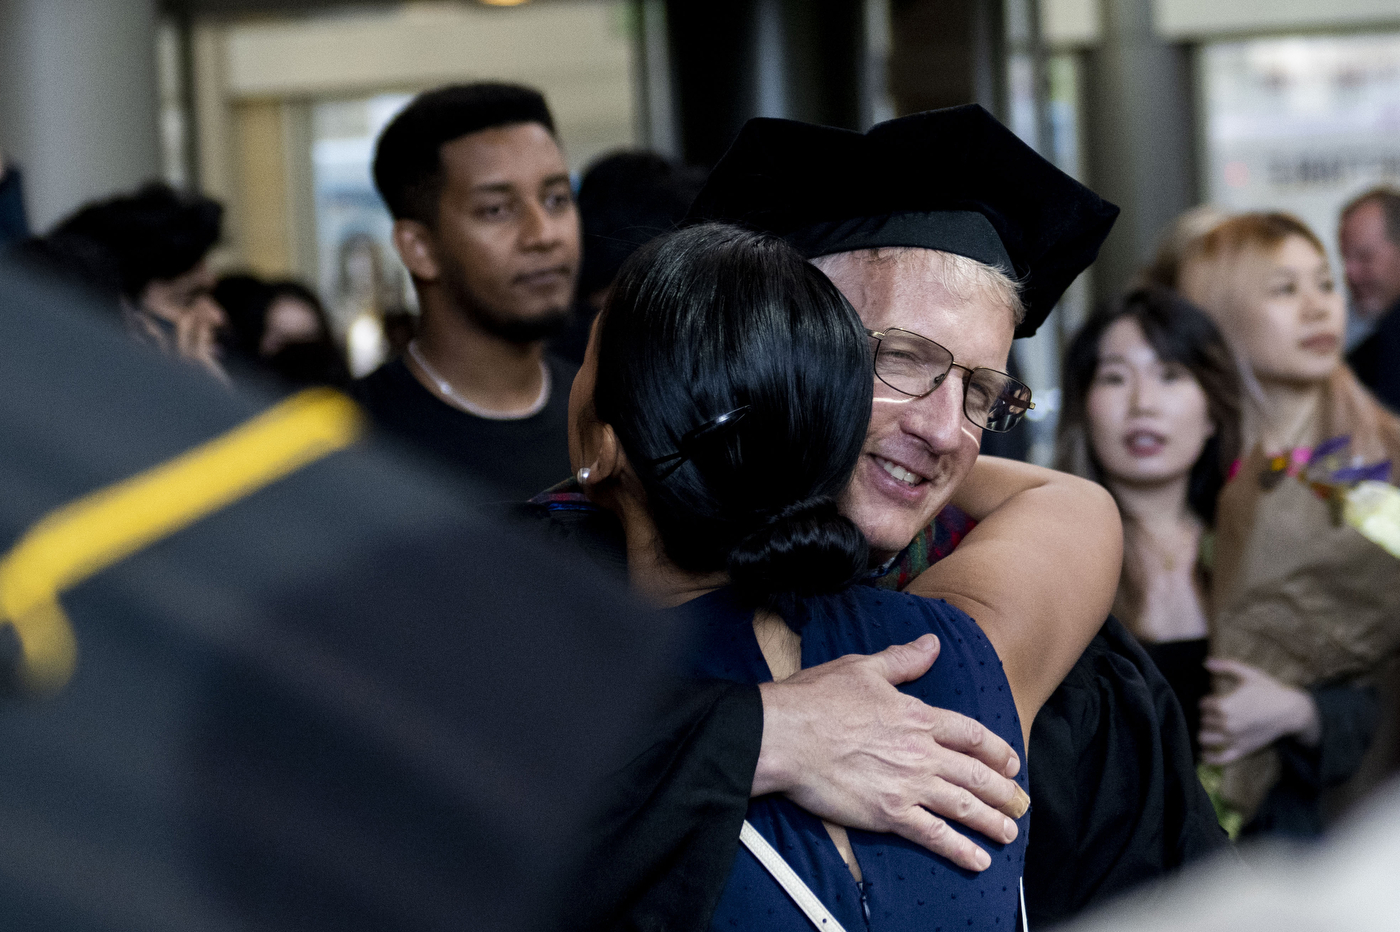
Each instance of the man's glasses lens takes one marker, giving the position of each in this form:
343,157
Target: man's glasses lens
914,365
996,400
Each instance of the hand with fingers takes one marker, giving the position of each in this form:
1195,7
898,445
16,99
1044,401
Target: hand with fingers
842,742
1252,711
196,342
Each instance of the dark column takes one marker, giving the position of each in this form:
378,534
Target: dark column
736,59
825,42
712,73
1140,138
78,99
947,52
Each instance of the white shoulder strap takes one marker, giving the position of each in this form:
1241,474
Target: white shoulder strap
801,894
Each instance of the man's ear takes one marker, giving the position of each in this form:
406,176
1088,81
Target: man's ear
414,243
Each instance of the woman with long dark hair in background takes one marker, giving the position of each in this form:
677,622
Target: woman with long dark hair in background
1151,411
280,327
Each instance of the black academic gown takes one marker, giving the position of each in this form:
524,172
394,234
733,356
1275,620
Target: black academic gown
663,849
1115,801
1376,360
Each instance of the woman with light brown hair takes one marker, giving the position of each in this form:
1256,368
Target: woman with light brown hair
1302,599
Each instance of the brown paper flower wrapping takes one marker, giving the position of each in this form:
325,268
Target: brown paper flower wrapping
1297,593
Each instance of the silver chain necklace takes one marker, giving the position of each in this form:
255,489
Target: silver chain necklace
449,393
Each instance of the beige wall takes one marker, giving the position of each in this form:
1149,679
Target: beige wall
255,82
260,155
1186,19
1070,23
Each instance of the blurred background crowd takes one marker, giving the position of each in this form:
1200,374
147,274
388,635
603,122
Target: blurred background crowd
206,170
272,108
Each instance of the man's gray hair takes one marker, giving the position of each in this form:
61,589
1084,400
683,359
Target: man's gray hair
963,277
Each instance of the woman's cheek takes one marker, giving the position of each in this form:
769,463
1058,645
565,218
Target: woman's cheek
1106,409
1191,424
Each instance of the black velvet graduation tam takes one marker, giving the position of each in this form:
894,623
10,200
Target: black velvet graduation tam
955,180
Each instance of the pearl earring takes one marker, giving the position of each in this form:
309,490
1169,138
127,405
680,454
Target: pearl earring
583,474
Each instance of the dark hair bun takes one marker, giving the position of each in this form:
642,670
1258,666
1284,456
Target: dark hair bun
809,548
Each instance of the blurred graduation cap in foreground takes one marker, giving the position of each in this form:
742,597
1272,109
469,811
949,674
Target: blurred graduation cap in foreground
261,674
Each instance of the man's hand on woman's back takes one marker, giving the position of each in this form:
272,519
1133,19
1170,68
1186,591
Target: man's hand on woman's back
843,743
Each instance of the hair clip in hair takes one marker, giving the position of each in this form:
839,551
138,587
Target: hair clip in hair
665,465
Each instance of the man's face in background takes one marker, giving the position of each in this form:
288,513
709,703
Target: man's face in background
507,232
1371,260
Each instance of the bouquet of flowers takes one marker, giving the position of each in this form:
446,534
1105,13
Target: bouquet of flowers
1306,583
1357,492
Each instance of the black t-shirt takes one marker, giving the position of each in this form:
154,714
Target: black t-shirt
1376,361
515,458
1183,664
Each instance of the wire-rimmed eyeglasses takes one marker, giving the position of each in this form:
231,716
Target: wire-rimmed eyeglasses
914,365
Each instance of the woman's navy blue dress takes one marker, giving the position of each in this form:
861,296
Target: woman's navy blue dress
905,886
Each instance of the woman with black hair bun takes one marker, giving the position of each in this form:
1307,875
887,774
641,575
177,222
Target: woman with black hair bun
721,408
742,421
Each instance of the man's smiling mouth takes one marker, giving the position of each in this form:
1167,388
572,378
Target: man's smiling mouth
899,472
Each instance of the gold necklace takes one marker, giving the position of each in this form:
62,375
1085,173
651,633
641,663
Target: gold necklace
1297,429
1166,557
1276,465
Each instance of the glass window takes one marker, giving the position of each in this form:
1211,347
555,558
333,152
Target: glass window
1043,111
1301,123
361,276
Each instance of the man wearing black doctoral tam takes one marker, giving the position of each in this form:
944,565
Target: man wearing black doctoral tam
1114,797
949,235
